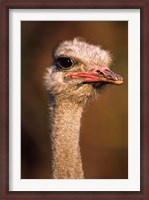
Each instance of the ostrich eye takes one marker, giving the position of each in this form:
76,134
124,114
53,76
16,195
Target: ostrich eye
64,62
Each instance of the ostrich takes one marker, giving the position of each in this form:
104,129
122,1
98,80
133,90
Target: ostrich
79,72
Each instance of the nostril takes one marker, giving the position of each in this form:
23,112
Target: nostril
100,73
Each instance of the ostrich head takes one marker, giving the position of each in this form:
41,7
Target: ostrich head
79,71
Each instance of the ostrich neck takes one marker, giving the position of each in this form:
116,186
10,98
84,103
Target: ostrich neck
66,162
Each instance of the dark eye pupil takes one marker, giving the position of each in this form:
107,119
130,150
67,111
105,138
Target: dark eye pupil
64,62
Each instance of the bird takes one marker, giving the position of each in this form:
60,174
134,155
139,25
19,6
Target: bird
79,72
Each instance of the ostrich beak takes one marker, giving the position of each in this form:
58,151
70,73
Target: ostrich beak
98,74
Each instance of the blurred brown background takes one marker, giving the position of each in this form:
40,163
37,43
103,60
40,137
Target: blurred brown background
104,130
